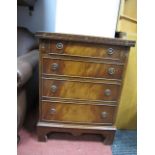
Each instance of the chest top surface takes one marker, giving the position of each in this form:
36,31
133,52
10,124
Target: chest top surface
85,39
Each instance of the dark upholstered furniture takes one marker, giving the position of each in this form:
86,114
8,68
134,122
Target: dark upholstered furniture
29,3
27,74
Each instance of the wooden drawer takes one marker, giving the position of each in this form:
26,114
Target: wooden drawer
109,52
80,90
83,69
77,113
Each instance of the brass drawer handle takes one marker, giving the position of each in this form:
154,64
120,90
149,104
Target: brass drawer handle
111,70
52,111
42,46
107,92
59,45
110,51
54,88
104,114
55,66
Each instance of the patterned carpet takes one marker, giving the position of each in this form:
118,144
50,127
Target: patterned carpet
125,143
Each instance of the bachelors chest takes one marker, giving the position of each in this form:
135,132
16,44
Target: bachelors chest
80,83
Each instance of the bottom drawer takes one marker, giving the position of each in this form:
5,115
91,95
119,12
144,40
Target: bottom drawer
77,113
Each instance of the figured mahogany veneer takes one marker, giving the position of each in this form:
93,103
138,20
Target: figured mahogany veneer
80,90
84,50
80,83
78,113
80,68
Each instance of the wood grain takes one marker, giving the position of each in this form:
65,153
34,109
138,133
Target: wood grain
44,128
84,69
80,90
85,39
86,49
77,113
72,96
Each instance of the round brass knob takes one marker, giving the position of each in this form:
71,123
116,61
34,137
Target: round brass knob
111,70
53,111
110,51
104,114
53,88
107,92
55,66
43,46
59,45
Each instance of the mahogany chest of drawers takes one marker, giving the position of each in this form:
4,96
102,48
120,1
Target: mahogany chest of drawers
80,83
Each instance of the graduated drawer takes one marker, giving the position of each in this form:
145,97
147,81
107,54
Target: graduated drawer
111,52
79,89
77,113
81,68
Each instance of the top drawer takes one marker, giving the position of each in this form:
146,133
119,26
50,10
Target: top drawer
109,52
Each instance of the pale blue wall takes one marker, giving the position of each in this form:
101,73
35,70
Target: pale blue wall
72,17
42,19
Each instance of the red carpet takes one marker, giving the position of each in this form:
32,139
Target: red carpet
62,144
